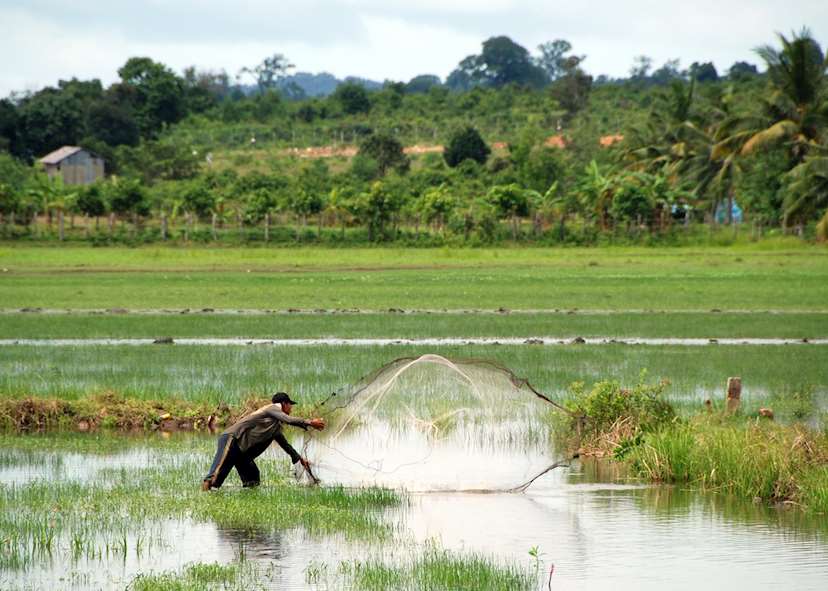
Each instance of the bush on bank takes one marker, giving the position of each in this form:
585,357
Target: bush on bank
746,456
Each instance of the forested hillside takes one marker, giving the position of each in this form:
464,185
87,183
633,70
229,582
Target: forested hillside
512,145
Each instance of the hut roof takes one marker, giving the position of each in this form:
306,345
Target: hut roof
60,154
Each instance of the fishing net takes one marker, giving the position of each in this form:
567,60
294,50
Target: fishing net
434,424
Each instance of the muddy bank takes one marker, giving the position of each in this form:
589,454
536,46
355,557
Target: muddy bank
409,311
110,410
431,342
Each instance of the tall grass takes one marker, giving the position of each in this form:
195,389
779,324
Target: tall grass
199,576
755,459
439,570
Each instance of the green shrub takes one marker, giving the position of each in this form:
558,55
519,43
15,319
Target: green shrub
607,403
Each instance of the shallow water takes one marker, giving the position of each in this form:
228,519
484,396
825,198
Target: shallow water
600,530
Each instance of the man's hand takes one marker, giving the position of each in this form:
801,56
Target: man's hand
317,424
305,463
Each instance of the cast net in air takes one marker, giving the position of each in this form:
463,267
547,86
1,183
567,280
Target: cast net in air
435,424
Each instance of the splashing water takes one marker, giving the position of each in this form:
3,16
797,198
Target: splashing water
434,424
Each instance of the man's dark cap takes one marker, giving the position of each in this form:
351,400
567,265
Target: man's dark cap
280,397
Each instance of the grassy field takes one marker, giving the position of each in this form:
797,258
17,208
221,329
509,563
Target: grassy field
390,325
214,374
764,276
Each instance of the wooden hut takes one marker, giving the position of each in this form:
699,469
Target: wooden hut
74,165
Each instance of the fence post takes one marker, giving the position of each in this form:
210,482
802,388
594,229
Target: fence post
60,225
267,227
734,394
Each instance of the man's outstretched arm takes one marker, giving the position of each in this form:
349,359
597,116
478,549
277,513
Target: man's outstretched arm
283,443
274,411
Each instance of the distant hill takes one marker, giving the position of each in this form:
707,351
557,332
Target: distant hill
315,85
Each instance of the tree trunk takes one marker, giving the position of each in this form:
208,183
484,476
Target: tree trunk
86,226
164,227
417,227
60,225
730,207
562,228
267,227
213,227
111,223
537,226
97,223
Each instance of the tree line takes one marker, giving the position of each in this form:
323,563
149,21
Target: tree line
696,147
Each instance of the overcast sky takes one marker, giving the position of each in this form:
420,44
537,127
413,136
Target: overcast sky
42,41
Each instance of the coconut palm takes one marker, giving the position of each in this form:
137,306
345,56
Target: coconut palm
808,190
796,112
651,147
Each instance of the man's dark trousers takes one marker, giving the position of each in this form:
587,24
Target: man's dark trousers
228,456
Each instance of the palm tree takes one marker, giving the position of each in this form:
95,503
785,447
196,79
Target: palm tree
707,159
808,190
595,191
796,112
651,147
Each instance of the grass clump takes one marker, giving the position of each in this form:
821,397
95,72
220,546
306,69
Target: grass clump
759,460
197,577
439,570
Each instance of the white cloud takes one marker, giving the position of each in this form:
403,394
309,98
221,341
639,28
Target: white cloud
52,39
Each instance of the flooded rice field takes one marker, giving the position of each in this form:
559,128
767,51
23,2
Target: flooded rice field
424,453
600,531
